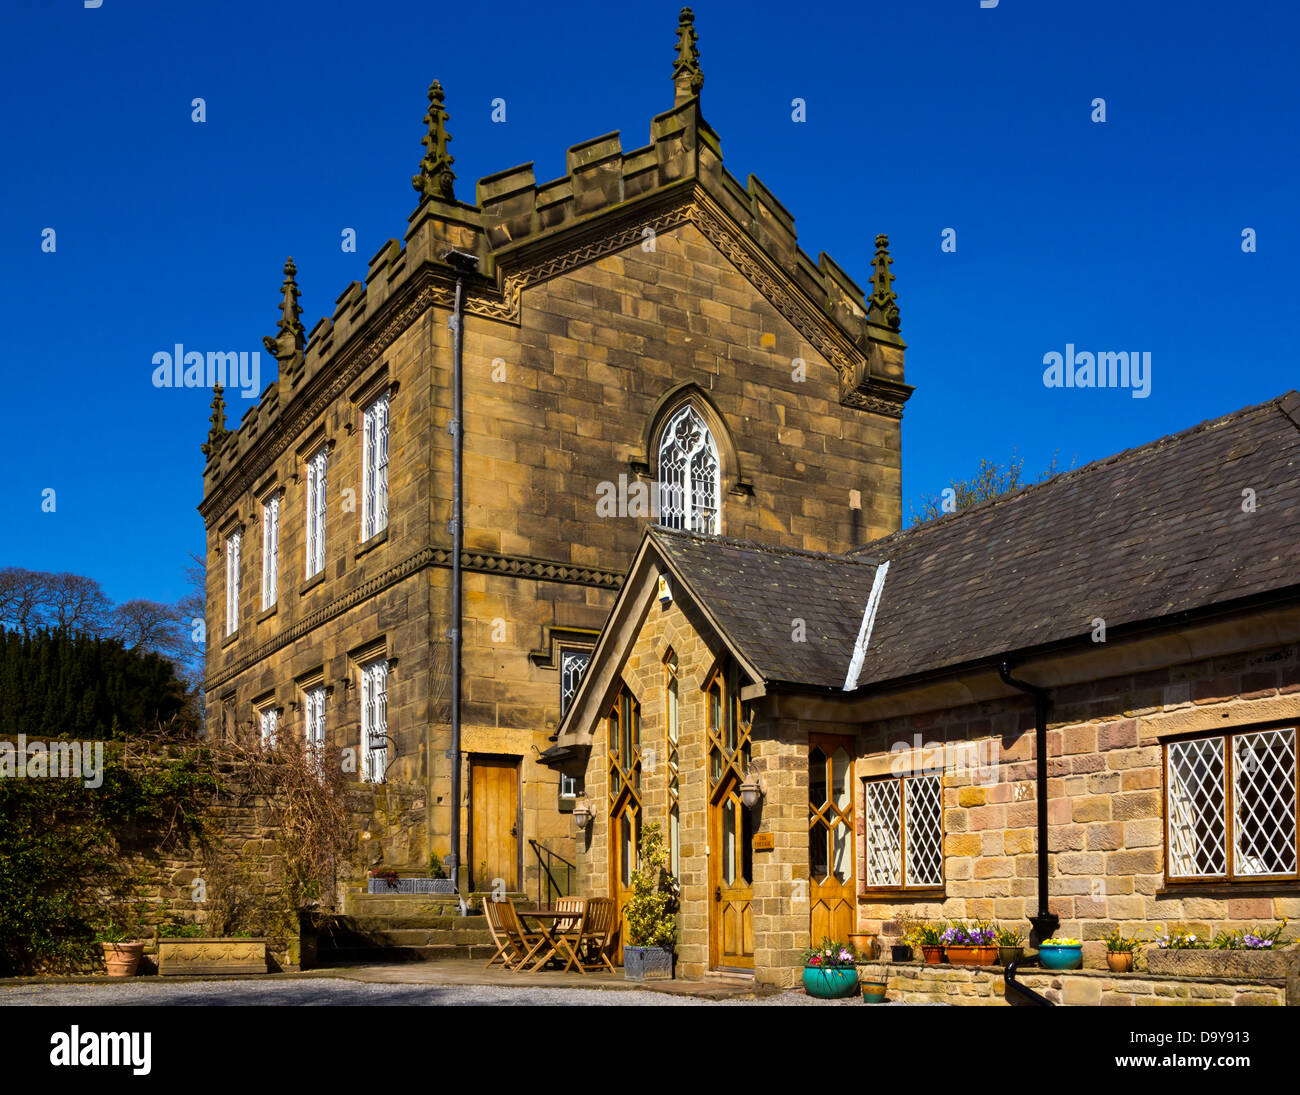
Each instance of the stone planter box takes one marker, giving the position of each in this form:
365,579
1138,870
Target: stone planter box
411,885
1252,965
195,957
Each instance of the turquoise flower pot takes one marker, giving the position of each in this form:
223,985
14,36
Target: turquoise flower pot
830,984
1061,958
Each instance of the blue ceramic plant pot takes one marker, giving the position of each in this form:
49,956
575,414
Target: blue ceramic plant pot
1061,958
873,992
830,984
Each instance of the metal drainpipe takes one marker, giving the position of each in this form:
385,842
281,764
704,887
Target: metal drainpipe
1046,922
463,264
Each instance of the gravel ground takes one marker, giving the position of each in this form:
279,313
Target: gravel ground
334,991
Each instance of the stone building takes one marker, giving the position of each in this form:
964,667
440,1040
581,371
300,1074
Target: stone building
643,340
1109,660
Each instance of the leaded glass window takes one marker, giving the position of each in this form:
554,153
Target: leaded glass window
374,497
690,474
316,513
374,722
903,827
573,663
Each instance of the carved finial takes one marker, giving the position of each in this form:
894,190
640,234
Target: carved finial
435,177
217,431
688,79
884,301
290,339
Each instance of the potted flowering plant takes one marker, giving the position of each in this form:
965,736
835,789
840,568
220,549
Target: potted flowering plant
970,944
122,951
929,937
1011,946
1060,954
1121,950
1255,952
830,970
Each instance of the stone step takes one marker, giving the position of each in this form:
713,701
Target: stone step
397,923
354,956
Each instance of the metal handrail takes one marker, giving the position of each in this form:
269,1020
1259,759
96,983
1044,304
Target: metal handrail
538,849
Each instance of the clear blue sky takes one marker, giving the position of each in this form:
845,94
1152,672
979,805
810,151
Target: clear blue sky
920,117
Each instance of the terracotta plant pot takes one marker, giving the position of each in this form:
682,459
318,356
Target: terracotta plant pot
1120,961
122,959
933,954
865,943
971,956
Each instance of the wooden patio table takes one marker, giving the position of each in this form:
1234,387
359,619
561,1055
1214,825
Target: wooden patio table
541,917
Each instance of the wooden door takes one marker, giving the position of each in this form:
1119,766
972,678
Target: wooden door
731,865
624,729
830,838
494,829
731,826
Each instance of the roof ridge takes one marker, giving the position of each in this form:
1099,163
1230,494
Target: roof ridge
756,546
1076,473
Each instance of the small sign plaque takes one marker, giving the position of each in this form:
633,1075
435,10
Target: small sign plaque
764,842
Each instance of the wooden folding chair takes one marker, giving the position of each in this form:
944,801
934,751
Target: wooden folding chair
527,942
508,952
593,946
568,931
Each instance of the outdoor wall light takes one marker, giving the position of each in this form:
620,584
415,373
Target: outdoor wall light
582,816
751,791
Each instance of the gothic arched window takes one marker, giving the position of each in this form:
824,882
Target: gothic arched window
690,475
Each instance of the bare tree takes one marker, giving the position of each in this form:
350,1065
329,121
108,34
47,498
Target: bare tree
22,597
76,602
150,625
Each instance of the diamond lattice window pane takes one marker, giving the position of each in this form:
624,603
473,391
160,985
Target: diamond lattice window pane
1264,803
1198,836
883,804
924,802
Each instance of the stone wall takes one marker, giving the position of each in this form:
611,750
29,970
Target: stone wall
1105,808
916,983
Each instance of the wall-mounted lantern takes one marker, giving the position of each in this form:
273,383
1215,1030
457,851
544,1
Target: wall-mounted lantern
751,791
582,815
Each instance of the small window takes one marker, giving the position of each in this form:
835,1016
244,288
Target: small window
270,551
573,663
374,498
374,722
569,786
1231,807
903,826
316,513
232,583
269,723
314,721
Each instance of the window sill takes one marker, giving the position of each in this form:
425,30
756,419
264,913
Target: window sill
935,893
378,538
229,639
312,582
1229,889
267,613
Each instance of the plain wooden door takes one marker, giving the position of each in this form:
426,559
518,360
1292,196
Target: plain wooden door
494,832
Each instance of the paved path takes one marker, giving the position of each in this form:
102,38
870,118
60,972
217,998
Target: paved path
316,990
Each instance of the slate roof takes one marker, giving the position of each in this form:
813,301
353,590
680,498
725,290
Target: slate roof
1148,533
758,594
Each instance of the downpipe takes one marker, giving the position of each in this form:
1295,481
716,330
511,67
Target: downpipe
464,264
1045,923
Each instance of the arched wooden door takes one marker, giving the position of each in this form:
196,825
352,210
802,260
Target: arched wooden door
830,838
624,724
731,830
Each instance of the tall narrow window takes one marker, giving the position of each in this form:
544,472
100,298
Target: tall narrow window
689,474
374,498
270,725
316,513
314,721
624,728
374,721
270,551
573,663
232,583
674,806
